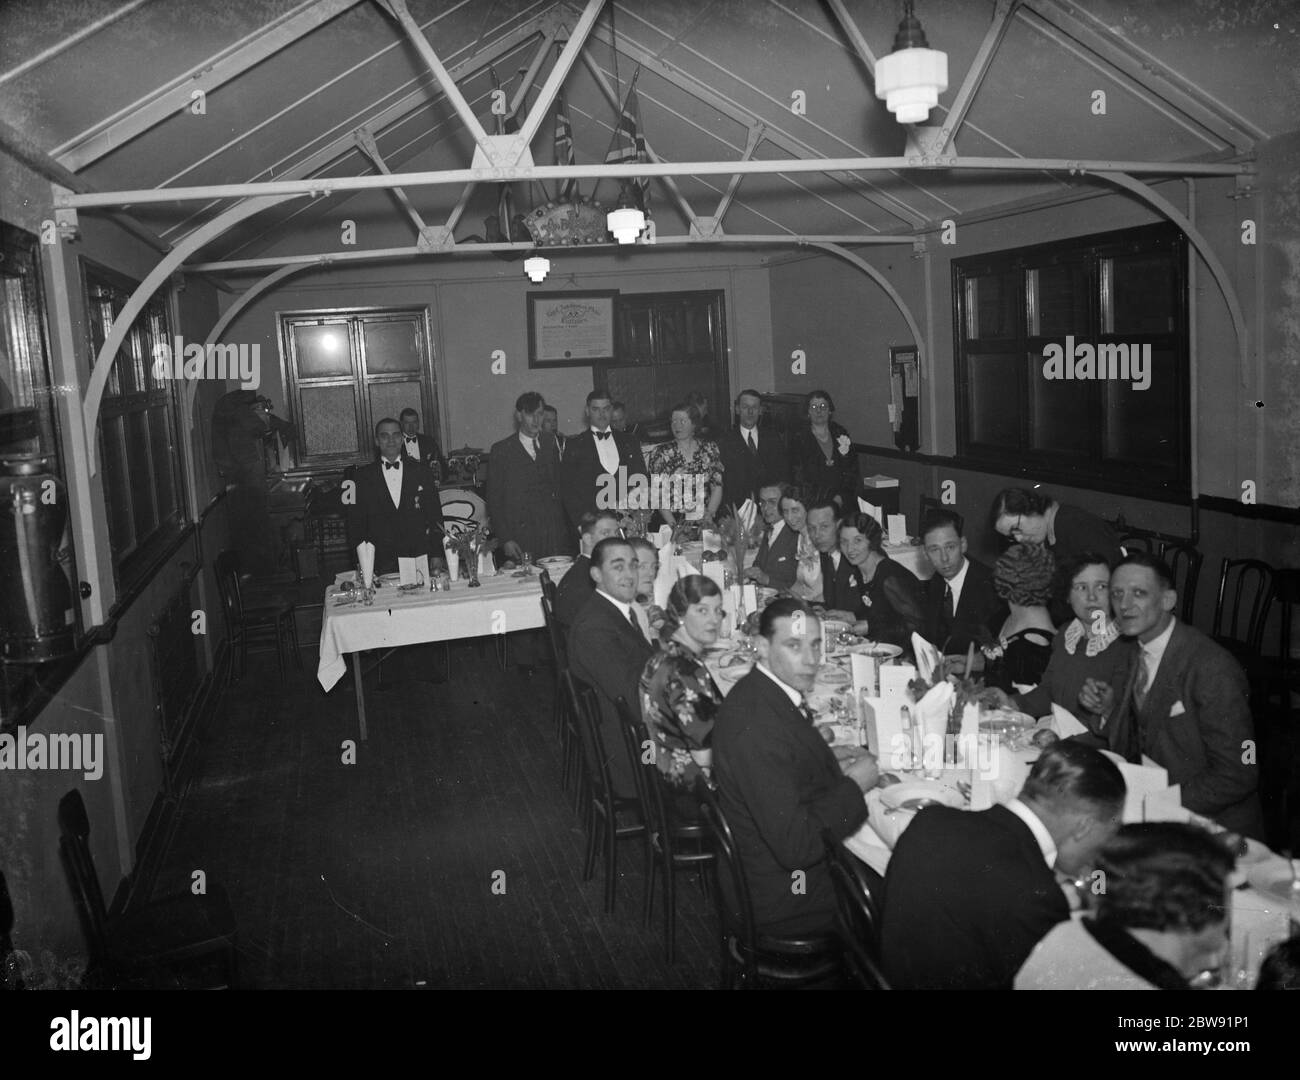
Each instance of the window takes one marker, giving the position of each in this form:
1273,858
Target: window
137,429
346,371
1072,360
27,416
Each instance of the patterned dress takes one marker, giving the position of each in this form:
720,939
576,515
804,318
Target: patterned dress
667,461
679,701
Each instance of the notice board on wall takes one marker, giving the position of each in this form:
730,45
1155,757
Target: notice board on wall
905,396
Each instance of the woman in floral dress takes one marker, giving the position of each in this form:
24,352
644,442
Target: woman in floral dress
675,465
679,698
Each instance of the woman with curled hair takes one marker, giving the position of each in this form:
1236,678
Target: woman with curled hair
889,596
822,454
1022,577
679,698
1159,915
690,459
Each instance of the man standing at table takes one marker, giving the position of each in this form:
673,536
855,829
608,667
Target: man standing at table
779,783
969,895
1186,705
750,457
834,585
523,487
423,448
594,453
576,586
618,419
608,649
551,426
960,603
394,504
776,560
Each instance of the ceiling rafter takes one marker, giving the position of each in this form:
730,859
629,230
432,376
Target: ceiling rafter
979,67
68,42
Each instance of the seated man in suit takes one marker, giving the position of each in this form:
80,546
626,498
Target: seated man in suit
835,589
594,453
960,604
750,457
608,649
779,783
969,895
776,561
576,586
1186,702
394,504
421,447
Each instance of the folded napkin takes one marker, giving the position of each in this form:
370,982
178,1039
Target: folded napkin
667,574
932,711
661,538
864,673
868,508
1065,724
927,658
487,566
897,528
366,558
746,513
718,572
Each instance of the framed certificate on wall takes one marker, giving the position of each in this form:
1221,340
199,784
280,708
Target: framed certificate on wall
570,329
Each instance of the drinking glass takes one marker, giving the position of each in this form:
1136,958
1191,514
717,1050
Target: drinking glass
527,559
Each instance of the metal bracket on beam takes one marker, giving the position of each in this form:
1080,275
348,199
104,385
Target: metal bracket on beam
503,152
927,143
919,246
706,228
69,227
436,238
1244,188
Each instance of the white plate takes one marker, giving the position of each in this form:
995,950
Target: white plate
1006,720
833,676
1272,878
894,798
876,649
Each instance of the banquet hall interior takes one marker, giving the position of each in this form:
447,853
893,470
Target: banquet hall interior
1042,246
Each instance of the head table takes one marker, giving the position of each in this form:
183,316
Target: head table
500,604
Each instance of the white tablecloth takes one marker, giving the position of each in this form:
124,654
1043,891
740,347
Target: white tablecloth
501,604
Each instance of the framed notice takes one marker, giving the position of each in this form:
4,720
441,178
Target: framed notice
905,397
570,329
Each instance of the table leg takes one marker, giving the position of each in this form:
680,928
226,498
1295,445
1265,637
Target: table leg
361,693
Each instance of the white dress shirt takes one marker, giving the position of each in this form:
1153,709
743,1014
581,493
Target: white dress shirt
1045,842
1154,651
411,443
393,478
529,444
796,698
957,581
747,433
776,531
607,451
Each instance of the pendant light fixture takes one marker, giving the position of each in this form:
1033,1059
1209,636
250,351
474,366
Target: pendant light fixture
911,78
537,267
625,221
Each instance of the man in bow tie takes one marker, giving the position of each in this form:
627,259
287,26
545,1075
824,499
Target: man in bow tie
1186,704
394,504
592,454
423,448
776,561
749,456
779,783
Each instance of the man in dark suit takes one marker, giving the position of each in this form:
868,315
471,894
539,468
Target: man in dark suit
779,783
394,504
618,420
1186,702
776,561
750,457
594,453
523,488
969,895
551,425
608,649
577,585
840,584
423,448
960,603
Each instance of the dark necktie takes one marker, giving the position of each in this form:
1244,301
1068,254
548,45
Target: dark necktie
393,464
631,617
807,713
947,602
749,438
764,547
603,434
1143,677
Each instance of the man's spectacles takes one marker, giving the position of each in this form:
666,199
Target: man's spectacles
819,406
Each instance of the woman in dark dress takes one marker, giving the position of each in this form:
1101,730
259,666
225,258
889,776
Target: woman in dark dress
1023,577
822,455
889,596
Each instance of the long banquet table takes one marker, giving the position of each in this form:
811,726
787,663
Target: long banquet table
501,604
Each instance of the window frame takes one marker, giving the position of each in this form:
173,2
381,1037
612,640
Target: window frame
1092,468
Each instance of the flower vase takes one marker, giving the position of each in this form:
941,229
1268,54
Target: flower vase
471,568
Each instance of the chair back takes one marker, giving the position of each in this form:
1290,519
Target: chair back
635,740
1245,603
735,908
1286,590
559,649
930,505
586,712
857,913
74,847
1138,540
1184,561
226,568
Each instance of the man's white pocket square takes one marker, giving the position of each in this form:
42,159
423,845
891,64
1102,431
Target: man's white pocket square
1177,709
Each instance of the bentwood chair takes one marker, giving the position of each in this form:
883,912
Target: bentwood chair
607,818
149,944
672,844
857,911
750,959
265,620
572,775
1185,561
1245,606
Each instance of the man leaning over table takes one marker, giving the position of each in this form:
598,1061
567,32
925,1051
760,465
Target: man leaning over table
969,894
1185,705
779,783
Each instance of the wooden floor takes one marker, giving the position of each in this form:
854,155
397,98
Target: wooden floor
380,874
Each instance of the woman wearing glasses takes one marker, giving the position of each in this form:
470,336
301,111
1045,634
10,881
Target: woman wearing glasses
1087,655
822,454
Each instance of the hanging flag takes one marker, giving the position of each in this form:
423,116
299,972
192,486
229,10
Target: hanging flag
564,189
628,147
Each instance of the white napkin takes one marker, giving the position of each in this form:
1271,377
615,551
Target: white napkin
413,571
1141,781
662,537
666,575
864,673
897,528
366,557
1064,722
868,508
927,657
712,540
718,572
1165,805
746,513
684,567
453,561
486,566
932,711
895,740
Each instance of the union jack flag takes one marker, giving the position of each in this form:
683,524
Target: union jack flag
564,189
628,147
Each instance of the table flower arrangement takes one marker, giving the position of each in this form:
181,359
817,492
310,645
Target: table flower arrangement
468,544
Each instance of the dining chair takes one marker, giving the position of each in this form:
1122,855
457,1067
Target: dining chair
671,843
930,505
857,910
140,945
566,723
1185,561
605,815
265,620
1135,539
749,959
1246,607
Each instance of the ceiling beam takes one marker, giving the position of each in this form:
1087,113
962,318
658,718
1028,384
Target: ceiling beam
325,185
755,136
1152,75
366,142
855,37
572,49
134,120
64,44
975,74
531,73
